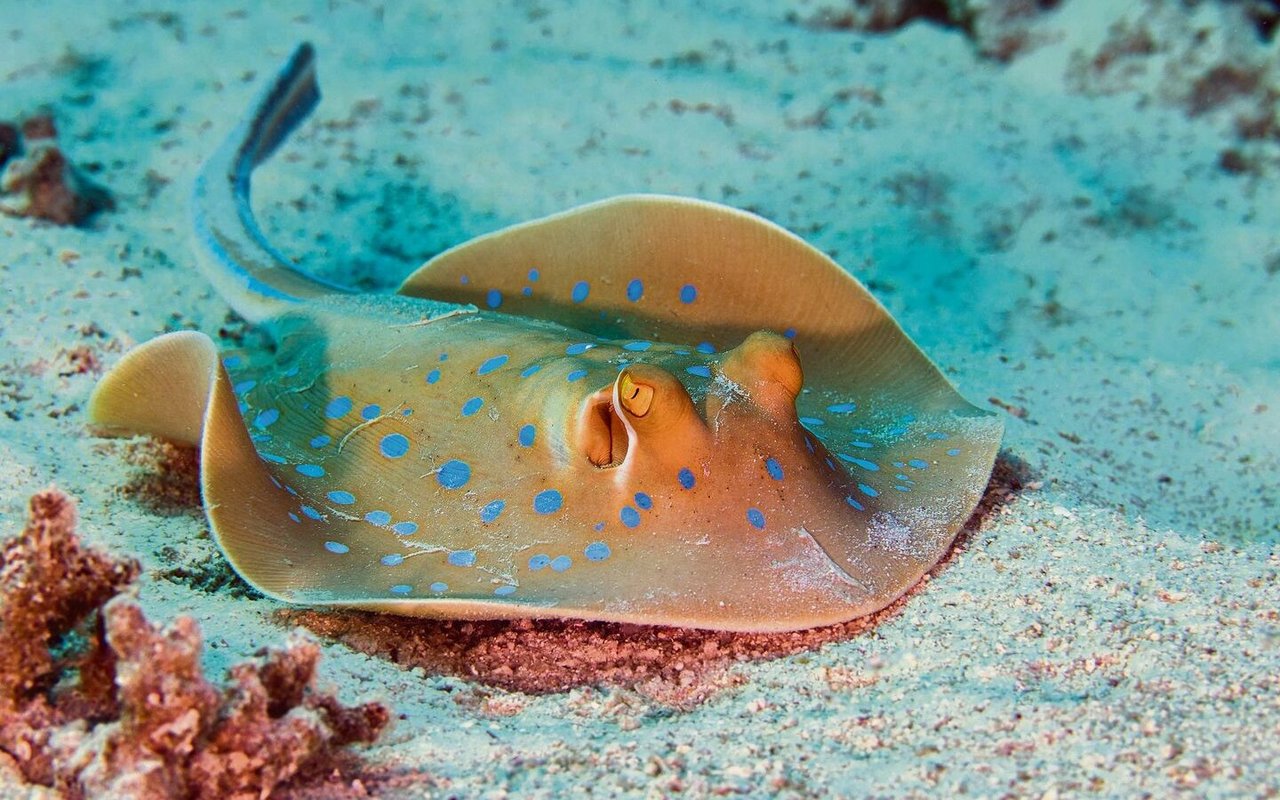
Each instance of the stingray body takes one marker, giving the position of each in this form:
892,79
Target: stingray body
602,414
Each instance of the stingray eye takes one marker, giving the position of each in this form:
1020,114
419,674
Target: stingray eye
635,397
765,357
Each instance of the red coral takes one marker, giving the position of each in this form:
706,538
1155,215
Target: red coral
164,730
52,590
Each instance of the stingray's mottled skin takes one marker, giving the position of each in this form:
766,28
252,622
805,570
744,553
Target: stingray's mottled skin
601,414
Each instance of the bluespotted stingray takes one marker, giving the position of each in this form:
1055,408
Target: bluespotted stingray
601,414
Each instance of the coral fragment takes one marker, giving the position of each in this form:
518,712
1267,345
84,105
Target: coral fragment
98,702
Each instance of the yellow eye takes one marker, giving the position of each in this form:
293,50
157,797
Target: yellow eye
636,398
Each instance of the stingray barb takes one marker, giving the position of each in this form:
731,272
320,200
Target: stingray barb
649,409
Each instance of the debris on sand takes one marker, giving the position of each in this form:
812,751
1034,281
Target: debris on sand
38,180
98,702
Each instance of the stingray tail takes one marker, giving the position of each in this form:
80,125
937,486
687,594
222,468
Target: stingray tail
255,278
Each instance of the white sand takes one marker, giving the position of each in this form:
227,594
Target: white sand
1081,258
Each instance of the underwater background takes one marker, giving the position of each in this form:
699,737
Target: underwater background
1073,207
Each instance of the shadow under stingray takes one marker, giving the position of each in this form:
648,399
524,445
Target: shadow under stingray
678,667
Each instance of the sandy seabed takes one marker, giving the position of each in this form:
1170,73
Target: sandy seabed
1075,211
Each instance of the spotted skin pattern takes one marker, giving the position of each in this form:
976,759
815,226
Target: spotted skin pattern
491,492
565,419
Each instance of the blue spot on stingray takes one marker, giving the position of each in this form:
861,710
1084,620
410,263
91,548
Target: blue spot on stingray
444,356
244,386
394,445
790,333
842,408
644,501
527,291
955,451
273,458
336,547
935,436
338,407
401,588
599,526
464,280
580,291
918,463
371,411
637,347
812,421
869,466
267,417
635,290
680,351
294,517
491,510
576,375
688,293
433,376
311,512
462,558
903,488
392,560
706,347
533,274
311,470
629,516
855,504
686,478
231,362
439,587
491,364
472,406
505,590
561,563
405,528
453,474
596,551
774,468
701,370
867,490
756,517
408,412
379,518
493,299
863,445
526,435
547,501
320,441
342,498
539,561
578,348
529,370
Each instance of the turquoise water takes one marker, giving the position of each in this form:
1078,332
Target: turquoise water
1072,210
